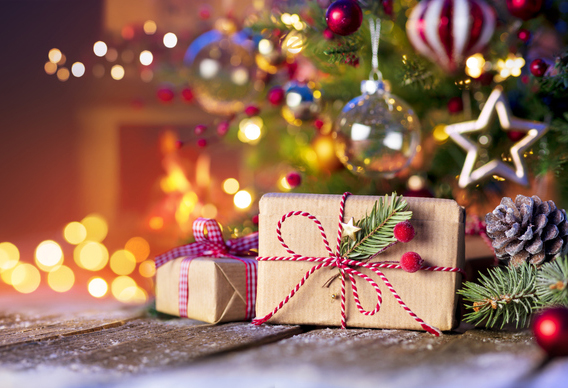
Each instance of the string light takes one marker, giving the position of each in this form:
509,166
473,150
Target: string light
170,40
150,27
54,55
9,256
78,69
61,279
100,48
230,186
117,72
96,227
97,287
75,233
242,199
146,58
48,255
25,278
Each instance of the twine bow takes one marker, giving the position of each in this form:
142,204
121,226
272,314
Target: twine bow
209,242
347,269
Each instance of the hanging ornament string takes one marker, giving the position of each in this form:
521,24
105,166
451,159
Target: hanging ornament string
375,28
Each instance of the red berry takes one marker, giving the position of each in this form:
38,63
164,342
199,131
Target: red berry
404,231
538,67
199,129
524,35
411,262
187,95
223,128
165,95
202,143
252,110
328,34
455,105
294,179
318,124
276,95
550,329
255,219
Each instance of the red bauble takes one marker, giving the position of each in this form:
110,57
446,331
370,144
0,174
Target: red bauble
524,35
276,95
538,67
411,262
252,110
294,179
202,143
255,219
462,28
187,95
165,95
199,129
387,6
455,105
223,128
524,9
318,124
328,34
344,17
550,329
404,231
516,135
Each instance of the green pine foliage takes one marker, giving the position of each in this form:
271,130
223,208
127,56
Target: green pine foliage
552,283
377,228
511,295
506,295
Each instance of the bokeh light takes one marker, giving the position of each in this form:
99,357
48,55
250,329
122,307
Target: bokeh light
146,58
63,74
54,55
147,268
139,247
9,256
231,186
122,262
96,227
61,279
242,199
209,211
111,55
48,255
75,233
146,75
78,69
170,40
117,72
124,289
97,287
156,223
50,68
91,255
100,49
25,278
150,27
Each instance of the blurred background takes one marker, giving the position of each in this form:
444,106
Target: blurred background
122,121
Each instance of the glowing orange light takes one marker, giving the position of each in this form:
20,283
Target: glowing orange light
124,289
54,55
231,186
25,278
138,247
147,268
91,255
122,262
9,256
156,223
50,68
48,255
150,27
75,233
96,227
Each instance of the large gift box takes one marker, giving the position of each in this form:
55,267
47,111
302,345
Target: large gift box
427,294
208,280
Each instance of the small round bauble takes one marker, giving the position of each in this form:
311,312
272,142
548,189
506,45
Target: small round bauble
449,31
165,94
300,103
187,95
200,129
377,133
344,17
276,95
455,105
202,143
524,9
538,67
404,231
293,179
550,329
223,128
524,35
221,71
411,262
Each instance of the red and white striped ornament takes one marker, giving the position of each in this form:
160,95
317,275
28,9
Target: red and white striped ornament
449,31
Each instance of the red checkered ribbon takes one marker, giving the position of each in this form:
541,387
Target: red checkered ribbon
212,244
347,269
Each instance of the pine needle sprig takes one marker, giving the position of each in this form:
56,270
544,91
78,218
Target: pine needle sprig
552,283
377,228
505,295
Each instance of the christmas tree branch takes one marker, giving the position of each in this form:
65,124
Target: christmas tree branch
552,283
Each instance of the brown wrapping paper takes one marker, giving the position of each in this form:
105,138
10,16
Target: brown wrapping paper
217,288
439,226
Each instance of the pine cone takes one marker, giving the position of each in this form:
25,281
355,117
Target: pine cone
527,230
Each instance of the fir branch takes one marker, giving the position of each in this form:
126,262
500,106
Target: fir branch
552,283
377,228
506,295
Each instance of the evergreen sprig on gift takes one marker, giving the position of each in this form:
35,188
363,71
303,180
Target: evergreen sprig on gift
377,228
510,295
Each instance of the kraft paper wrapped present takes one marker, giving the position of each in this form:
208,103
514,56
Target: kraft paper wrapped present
207,280
429,294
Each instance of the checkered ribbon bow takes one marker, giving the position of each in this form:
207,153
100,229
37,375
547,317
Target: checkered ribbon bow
348,272
209,242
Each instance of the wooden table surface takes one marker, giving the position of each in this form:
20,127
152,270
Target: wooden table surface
109,345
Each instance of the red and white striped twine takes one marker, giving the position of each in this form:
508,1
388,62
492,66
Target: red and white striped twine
347,269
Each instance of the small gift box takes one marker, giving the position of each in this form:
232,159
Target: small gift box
298,256
209,280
